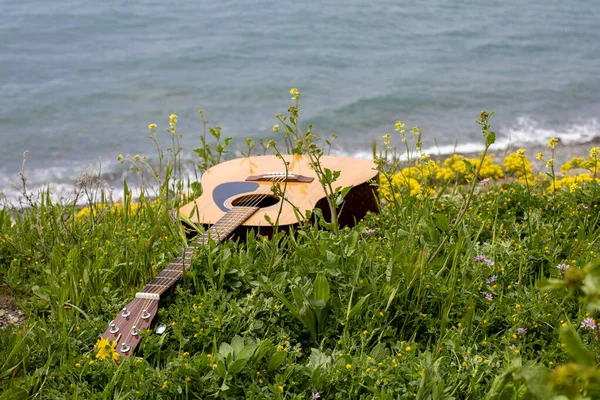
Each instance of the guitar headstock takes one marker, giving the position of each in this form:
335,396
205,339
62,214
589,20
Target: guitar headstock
127,326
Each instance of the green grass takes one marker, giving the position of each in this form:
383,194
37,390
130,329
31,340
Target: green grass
451,295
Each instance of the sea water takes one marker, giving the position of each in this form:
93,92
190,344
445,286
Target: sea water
81,81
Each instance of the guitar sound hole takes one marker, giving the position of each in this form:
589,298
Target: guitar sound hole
250,200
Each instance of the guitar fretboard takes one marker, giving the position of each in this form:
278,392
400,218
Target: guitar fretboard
217,232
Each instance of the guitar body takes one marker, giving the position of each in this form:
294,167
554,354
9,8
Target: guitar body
238,194
225,183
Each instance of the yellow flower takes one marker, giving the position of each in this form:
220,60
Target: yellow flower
275,128
539,156
594,151
294,91
187,379
106,349
152,127
348,366
399,127
280,388
137,157
408,348
518,306
550,163
365,332
521,153
78,365
271,143
552,143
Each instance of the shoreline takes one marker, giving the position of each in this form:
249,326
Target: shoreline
563,153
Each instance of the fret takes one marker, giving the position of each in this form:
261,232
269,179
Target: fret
154,288
218,232
158,278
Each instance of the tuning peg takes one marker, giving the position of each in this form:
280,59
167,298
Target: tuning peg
113,328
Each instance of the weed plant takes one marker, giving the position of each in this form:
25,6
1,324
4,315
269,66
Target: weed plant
475,280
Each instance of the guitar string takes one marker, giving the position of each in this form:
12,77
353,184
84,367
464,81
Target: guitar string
254,200
226,230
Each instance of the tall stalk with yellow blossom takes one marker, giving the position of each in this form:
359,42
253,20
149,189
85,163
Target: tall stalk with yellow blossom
521,154
550,164
305,142
209,156
490,138
593,167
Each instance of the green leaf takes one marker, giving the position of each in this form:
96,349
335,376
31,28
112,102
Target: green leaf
263,349
547,285
248,351
490,138
331,257
238,344
469,167
14,393
225,349
221,368
321,289
237,366
380,352
357,307
442,222
308,318
276,360
575,347
537,380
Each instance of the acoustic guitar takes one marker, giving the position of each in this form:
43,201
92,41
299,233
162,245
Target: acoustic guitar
238,194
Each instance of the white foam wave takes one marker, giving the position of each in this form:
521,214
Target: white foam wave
525,132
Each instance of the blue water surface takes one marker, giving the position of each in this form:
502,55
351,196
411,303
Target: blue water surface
81,81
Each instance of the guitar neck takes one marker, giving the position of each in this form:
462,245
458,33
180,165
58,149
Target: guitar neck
217,232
